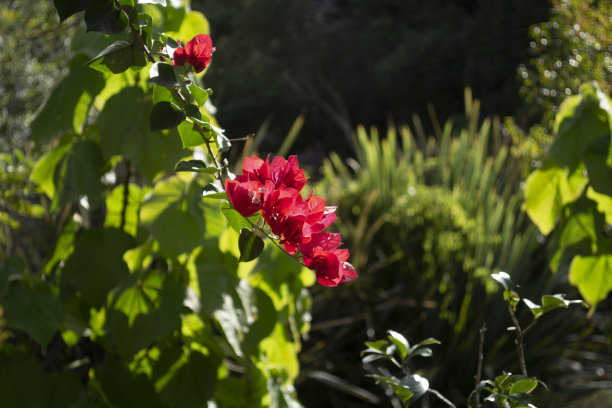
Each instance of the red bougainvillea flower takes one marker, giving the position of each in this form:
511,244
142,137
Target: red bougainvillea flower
246,198
197,53
274,189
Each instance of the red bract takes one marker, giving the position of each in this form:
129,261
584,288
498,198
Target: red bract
197,53
246,198
274,189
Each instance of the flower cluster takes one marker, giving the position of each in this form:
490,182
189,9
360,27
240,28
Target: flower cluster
274,189
197,53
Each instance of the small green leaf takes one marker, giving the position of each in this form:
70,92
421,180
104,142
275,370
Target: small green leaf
197,166
400,342
200,95
504,279
222,141
250,245
162,73
378,346
165,116
536,309
418,385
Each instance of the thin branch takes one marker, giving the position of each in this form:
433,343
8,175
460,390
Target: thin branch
519,340
441,397
478,376
126,193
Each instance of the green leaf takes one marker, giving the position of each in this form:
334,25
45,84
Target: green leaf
547,190
115,207
417,385
33,309
145,310
580,234
250,245
22,382
102,16
593,276
174,215
504,279
96,266
193,111
213,191
599,169
200,95
66,8
536,309
580,122
189,136
604,203
192,23
43,171
400,342
236,221
165,116
193,384
401,390
123,126
115,58
524,386
80,175
162,73
222,141
197,166
160,2
58,111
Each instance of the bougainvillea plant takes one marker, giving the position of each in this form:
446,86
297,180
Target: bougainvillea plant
150,288
273,189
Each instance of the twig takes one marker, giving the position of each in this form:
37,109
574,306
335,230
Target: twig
478,376
441,397
519,340
126,193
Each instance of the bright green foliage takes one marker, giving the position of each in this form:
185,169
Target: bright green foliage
427,219
557,197
138,297
573,47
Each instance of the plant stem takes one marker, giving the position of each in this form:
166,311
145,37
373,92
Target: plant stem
441,397
478,376
126,193
519,340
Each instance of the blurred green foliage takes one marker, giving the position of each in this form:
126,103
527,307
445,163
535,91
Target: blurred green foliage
573,47
427,221
34,51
